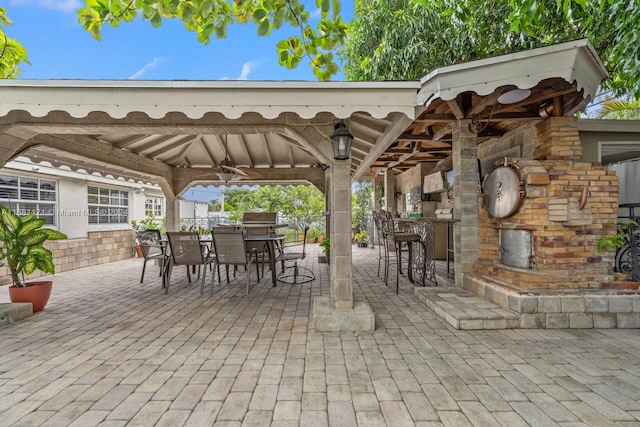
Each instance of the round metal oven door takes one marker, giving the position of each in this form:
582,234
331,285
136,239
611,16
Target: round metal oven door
503,192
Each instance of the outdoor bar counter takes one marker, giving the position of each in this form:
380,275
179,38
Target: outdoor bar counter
423,262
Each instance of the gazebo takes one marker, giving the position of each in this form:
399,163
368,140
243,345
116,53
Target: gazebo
175,133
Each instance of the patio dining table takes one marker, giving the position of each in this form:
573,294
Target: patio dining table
271,239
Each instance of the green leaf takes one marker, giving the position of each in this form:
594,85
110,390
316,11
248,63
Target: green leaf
35,238
156,20
221,32
264,28
207,8
206,32
259,14
10,219
325,6
29,265
28,225
54,234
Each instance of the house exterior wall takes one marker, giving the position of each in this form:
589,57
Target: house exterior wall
87,244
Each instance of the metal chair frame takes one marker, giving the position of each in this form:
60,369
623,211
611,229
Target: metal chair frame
231,249
393,242
185,249
260,247
293,273
382,246
150,242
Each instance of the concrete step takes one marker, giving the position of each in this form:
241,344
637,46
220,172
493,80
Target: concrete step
12,312
463,309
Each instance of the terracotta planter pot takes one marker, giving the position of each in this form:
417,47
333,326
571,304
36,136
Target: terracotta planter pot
37,293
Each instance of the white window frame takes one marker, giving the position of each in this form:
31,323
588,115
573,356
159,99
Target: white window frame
43,207
109,206
154,206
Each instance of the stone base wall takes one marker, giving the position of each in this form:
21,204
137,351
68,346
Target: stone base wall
619,308
98,248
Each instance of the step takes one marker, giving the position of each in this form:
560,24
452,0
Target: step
12,312
463,309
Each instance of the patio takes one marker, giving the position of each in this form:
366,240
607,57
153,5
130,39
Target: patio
110,351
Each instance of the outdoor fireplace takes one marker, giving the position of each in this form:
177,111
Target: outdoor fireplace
541,218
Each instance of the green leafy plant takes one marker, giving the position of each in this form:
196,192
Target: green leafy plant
148,223
22,249
326,246
12,53
380,194
361,237
621,238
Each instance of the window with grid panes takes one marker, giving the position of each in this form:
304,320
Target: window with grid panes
153,206
25,195
107,205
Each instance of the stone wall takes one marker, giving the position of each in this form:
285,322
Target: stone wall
413,177
98,248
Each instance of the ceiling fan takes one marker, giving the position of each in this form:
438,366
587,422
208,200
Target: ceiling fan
227,171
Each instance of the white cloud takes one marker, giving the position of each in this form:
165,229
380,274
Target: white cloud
61,5
247,68
142,71
315,14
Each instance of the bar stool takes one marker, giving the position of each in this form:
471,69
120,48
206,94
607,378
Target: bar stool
394,239
382,244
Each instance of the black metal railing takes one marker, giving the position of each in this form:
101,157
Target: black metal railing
628,257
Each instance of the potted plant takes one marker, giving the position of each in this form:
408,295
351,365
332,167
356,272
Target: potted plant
326,248
617,242
21,239
361,238
312,236
146,223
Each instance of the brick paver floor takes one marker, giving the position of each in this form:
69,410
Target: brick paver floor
110,351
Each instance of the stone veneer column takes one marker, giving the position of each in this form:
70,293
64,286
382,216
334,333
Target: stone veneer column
339,312
173,213
327,202
465,191
341,286
389,190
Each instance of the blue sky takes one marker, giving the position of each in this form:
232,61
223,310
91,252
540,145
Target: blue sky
60,49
